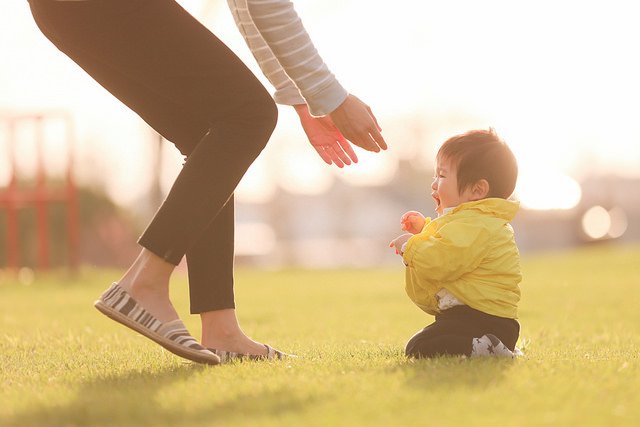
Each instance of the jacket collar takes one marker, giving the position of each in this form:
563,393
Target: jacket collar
500,208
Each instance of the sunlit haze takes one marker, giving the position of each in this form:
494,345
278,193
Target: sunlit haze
557,80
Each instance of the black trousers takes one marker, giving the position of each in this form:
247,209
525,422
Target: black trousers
453,330
184,82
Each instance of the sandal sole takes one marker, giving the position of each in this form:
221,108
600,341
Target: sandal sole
174,348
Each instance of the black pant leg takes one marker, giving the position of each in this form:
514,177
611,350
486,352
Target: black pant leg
443,337
454,329
210,262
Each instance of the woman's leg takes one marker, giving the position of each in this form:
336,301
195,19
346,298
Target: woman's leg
210,263
186,84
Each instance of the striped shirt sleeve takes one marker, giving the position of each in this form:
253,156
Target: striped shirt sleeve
287,57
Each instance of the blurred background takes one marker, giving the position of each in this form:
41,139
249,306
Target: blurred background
557,80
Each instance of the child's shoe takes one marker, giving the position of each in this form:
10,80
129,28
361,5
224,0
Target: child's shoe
490,345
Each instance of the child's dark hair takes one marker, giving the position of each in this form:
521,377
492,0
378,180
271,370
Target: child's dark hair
481,154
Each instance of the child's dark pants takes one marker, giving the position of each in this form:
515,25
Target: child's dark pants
454,329
184,82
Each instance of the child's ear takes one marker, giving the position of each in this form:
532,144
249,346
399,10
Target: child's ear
480,189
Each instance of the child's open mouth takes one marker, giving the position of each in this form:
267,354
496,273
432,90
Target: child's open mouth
436,199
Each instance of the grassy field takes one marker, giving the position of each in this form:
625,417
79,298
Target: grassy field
62,363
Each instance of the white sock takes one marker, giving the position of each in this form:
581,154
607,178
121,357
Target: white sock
489,345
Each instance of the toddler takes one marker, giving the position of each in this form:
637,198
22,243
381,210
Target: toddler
464,266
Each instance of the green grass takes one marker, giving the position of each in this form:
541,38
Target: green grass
62,363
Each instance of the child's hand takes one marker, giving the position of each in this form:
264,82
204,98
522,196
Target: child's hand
399,241
412,222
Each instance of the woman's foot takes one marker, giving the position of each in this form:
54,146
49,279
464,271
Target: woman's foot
154,299
117,304
221,331
140,301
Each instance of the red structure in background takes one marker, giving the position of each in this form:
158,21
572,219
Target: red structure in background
40,196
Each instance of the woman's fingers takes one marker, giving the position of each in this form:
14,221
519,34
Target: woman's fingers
347,148
336,158
364,140
377,137
324,155
330,156
354,120
338,154
339,151
374,118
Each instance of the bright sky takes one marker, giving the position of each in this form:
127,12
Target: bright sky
558,80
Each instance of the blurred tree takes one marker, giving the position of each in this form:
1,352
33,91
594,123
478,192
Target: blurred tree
107,233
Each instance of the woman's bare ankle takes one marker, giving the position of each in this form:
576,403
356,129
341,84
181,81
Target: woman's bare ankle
147,271
147,281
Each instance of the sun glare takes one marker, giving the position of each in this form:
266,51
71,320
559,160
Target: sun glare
551,190
619,222
300,171
256,185
599,223
372,169
596,222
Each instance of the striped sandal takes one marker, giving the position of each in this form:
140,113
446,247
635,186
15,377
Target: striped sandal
229,356
117,304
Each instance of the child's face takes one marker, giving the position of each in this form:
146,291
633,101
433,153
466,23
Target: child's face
445,187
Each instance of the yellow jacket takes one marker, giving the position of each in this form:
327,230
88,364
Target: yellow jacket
471,252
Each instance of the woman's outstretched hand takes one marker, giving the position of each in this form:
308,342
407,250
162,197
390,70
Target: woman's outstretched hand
332,135
325,137
356,123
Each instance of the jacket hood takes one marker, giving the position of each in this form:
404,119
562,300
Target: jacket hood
500,208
